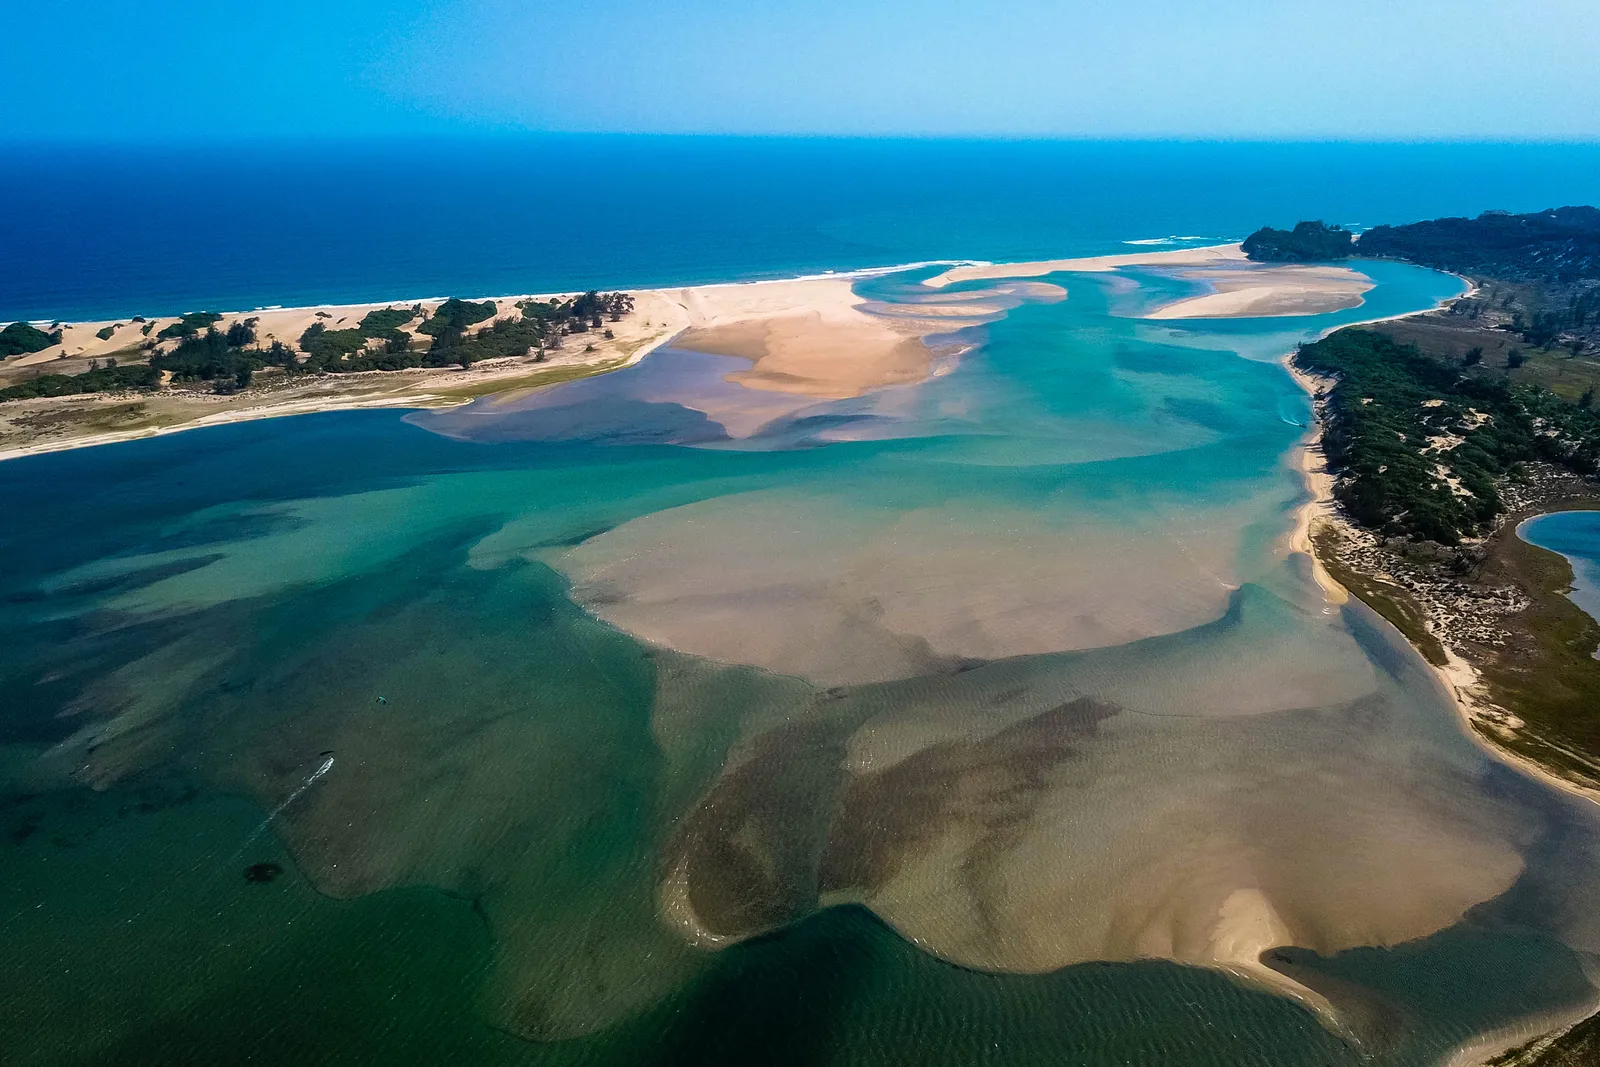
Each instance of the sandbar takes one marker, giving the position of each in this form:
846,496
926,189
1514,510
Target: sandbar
1268,292
1208,255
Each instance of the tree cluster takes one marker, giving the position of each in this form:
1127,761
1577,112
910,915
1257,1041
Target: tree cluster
108,379
1308,242
541,326
21,338
338,351
215,357
229,358
189,325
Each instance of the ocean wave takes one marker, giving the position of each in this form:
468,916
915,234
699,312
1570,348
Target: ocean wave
1171,239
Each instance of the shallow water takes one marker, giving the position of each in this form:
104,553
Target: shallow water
984,720
1576,535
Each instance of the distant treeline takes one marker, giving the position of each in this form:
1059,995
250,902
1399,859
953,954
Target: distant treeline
1402,426
1554,246
1558,245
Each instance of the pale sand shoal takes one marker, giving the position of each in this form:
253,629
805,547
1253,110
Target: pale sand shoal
1239,288
815,337
1268,292
1183,257
808,336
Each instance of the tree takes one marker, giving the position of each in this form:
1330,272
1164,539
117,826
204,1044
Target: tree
1307,242
242,333
1515,359
21,338
1586,401
1473,357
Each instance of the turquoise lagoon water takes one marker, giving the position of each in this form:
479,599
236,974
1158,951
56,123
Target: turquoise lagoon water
982,721
1576,535
960,723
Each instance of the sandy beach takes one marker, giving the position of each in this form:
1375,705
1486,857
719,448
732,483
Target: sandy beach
1209,255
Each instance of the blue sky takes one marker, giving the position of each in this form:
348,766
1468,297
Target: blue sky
1297,69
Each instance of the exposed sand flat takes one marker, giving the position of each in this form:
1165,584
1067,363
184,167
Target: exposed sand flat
814,337
804,354
1268,292
750,578
1183,257
810,337
1015,846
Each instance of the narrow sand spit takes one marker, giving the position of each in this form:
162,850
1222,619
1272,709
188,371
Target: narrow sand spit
1268,292
1239,289
1210,255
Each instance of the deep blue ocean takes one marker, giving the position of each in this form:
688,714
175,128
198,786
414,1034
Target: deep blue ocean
101,232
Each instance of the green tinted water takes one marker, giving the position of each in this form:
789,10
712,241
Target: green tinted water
545,840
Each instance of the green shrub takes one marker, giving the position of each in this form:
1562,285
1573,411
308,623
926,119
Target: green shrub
21,338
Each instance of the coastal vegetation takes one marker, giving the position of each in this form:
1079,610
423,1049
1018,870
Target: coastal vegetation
197,348
1419,444
21,338
337,351
108,379
1537,275
1556,246
190,324
1308,242
455,315
212,357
